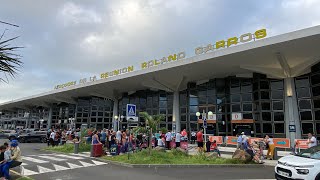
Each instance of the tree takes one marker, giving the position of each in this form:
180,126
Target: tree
153,123
9,60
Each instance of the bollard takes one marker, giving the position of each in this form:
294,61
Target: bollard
76,147
275,155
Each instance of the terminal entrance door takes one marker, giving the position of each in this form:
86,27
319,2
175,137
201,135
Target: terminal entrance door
245,125
239,128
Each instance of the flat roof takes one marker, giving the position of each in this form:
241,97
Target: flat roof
287,55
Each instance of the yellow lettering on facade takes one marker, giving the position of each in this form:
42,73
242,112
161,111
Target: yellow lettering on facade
233,40
262,33
156,62
208,48
144,65
116,72
130,68
220,44
150,63
246,37
199,50
164,60
172,57
181,55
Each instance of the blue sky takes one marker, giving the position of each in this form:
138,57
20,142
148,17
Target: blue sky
69,40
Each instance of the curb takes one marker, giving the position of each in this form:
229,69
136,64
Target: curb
180,165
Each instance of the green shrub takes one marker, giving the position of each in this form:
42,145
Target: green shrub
170,157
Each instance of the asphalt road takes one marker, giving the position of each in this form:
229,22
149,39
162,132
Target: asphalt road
50,166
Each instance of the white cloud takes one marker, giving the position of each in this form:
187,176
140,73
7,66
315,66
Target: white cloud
72,14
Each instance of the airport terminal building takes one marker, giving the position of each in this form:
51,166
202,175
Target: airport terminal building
270,85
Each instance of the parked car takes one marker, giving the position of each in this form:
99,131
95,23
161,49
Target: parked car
8,134
304,165
33,136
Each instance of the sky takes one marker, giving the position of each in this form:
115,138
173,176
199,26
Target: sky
69,40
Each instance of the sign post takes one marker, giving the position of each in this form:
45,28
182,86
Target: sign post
131,115
204,118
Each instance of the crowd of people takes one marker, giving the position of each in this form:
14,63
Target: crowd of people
57,136
125,139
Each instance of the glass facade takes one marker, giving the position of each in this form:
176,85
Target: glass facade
94,111
258,98
308,97
153,102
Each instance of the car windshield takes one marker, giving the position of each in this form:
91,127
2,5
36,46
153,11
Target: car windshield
313,153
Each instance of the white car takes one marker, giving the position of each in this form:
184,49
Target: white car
304,165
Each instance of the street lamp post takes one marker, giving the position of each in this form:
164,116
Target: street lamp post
118,120
204,122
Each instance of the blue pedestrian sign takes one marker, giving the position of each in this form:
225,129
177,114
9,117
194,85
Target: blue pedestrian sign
131,110
204,122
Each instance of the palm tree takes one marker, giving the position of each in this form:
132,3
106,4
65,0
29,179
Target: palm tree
9,60
153,123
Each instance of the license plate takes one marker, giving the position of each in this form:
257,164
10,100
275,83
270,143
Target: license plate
283,173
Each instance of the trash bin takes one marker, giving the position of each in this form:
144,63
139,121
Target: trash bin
97,150
76,147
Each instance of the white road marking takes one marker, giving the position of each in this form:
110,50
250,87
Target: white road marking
59,168
52,158
26,172
34,160
98,163
86,164
82,155
68,156
73,166
44,170
24,164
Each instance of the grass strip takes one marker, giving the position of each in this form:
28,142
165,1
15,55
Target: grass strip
171,157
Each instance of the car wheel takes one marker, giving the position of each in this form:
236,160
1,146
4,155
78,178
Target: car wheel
318,177
21,140
43,140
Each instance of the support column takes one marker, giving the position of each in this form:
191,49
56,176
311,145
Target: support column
176,112
50,118
115,113
291,110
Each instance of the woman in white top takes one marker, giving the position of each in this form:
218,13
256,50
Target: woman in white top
270,144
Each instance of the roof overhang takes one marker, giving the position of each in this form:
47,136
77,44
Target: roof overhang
287,55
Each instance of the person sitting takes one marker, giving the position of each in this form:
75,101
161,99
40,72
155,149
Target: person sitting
5,164
214,148
16,154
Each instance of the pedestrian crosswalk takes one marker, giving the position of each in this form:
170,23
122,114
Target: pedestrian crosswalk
47,163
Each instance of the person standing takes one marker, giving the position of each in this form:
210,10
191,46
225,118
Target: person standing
52,137
271,147
312,141
118,136
184,135
200,140
103,137
95,138
168,139
178,139
193,137
239,141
